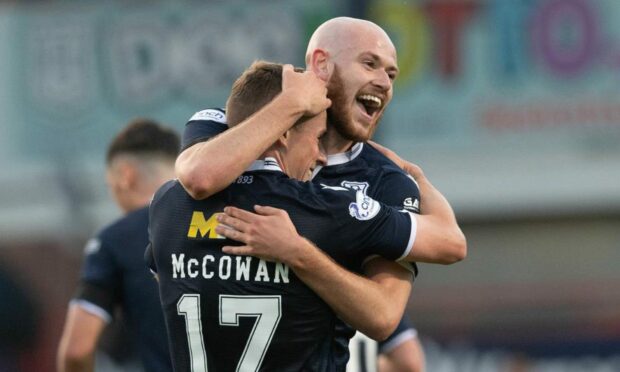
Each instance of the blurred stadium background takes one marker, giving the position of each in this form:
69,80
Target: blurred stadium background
512,107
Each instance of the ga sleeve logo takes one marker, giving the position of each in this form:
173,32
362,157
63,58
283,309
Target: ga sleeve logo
412,204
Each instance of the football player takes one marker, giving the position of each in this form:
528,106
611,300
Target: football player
139,160
358,60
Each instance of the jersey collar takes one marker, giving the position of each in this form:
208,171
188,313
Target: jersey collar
341,158
345,157
268,163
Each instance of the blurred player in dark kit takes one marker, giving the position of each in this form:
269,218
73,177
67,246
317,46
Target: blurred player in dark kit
139,160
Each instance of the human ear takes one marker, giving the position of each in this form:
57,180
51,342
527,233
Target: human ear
127,176
319,63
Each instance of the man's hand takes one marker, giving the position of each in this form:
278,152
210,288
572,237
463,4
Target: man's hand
305,89
268,234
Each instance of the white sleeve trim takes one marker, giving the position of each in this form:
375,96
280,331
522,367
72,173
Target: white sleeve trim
93,309
403,337
414,230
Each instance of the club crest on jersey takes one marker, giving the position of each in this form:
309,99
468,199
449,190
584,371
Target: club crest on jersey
364,208
412,204
357,186
210,114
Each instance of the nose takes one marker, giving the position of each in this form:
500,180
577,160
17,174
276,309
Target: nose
382,80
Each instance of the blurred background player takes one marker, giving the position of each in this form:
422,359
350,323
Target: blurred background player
139,160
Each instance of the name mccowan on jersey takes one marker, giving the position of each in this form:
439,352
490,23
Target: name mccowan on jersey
243,268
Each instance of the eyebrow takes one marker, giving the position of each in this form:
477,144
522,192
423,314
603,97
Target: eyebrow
376,58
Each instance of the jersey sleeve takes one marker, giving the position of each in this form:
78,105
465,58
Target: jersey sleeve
100,278
404,332
398,190
149,254
377,228
202,126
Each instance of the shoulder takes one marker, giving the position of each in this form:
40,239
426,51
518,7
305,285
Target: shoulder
394,186
375,158
128,221
133,221
164,190
212,115
203,125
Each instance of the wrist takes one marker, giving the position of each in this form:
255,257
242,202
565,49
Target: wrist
290,103
300,256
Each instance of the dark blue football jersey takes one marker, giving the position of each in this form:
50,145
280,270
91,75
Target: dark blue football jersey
365,168
362,168
114,274
203,125
404,332
229,313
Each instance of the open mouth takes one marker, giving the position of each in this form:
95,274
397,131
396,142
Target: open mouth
370,103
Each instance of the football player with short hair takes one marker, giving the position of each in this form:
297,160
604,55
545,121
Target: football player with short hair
139,160
227,312
358,60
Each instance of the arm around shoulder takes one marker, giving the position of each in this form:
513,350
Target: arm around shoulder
439,239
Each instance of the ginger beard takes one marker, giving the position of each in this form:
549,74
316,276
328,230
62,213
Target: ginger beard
339,115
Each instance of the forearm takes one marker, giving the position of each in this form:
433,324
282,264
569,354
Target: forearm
77,365
208,167
440,237
434,203
71,359
76,350
373,307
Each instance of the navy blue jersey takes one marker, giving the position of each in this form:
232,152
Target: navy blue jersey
203,125
364,168
404,332
114,274
229,312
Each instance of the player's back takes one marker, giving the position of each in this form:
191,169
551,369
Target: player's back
114,274
250,313
232,312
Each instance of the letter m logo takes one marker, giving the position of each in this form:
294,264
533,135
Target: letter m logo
198,224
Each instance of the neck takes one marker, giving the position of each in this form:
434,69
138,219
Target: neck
276,155
143,192
136,202
334,143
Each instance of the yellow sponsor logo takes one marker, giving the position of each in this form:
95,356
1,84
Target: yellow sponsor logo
205,227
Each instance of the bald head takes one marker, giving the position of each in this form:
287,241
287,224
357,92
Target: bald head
341,33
